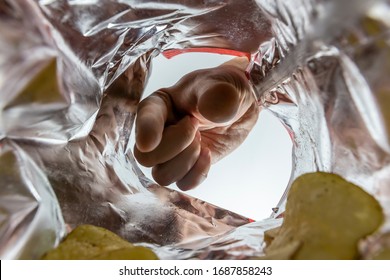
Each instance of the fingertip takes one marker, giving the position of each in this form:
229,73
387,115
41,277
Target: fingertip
146,145
161,178
148,133
142,158
175,169
198,172
152,113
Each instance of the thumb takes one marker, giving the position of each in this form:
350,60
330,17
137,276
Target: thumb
219,102
214,95
225,92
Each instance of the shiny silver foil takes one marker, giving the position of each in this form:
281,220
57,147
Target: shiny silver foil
72,73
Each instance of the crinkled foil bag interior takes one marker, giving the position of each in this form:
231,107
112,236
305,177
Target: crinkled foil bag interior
73,71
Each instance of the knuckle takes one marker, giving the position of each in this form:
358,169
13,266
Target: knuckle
164,97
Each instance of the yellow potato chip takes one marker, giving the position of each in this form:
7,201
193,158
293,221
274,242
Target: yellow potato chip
91,242
327,216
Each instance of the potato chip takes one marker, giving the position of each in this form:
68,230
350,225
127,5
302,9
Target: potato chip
325,218
88,242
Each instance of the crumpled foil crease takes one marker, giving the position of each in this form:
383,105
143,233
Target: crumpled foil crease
71,76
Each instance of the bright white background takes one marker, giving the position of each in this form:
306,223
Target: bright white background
251,180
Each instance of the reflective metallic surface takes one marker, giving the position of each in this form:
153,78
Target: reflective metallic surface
71,76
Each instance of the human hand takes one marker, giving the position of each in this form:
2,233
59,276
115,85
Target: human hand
183,129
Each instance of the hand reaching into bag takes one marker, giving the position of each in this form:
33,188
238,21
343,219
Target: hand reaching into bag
183,129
